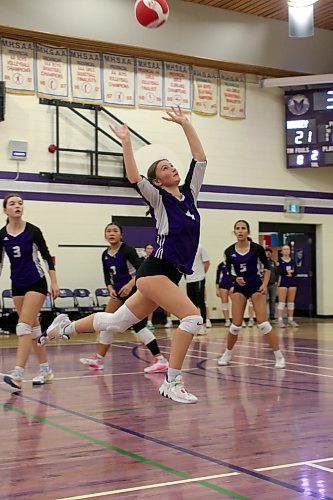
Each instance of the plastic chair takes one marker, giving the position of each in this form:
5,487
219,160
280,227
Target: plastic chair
84,300
102,298
7,302
65,303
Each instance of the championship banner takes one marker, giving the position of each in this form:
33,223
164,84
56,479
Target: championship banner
149,83
233,94
86,75
52,71
18,66
205,90
177,85
118,80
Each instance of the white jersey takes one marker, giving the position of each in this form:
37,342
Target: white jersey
198,266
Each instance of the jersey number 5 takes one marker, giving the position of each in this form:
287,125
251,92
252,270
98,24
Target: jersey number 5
242,268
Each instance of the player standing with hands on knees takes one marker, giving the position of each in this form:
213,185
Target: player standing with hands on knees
21,241
245,258
174,208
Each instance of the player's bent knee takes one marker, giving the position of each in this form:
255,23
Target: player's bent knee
291,305
23,329
105,337
36,332
234,329
265,327
281,306
101,321
225,306
191,324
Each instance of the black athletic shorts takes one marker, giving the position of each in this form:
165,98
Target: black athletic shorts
40,286
159,267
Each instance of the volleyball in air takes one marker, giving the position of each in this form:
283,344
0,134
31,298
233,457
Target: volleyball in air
151,13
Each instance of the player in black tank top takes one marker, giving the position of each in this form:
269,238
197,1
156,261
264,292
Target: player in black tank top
120,263
21,242
247,261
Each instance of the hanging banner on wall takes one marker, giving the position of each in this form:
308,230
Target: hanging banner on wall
118,80
52,71
177,85
150,83
233,94
205,90
86,75
18,66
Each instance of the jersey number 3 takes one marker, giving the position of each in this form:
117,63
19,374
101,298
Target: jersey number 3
16,251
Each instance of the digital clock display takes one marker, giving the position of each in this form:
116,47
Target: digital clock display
309,128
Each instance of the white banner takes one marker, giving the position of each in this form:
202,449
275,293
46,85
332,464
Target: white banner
205,90
52,71
177,85
150,83
119,80
86,75
233,94
18,65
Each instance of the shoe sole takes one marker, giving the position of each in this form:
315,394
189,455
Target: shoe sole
91,366
176,399
163,370
10,382
37,382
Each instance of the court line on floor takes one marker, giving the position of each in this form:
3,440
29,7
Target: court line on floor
121,451
181,449
150,486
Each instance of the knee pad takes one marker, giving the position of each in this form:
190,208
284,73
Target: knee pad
234,330
265,327
191,324
23,329
105,337
146,336
119,321
281,306
225,307
36,332
291,305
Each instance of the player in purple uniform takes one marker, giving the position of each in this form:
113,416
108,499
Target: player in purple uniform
120,263
21,241
174,209
224,284
246,259
287,286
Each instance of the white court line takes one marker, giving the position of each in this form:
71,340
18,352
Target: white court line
321,467
295,464
150,486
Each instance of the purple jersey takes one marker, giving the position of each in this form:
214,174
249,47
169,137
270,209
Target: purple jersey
22,250
249,265
283,267
223,278
120,267
177,219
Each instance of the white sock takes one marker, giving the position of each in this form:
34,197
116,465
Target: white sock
70,329
44,367
290,318
228,351
19,370
172,374
278,354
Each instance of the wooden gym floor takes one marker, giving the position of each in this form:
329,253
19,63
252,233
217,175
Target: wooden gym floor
257,432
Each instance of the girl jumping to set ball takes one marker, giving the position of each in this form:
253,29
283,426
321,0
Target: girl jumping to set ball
174,208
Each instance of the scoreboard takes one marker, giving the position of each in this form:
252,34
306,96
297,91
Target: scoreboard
309,128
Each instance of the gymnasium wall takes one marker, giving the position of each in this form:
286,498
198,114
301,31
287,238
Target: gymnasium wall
246,178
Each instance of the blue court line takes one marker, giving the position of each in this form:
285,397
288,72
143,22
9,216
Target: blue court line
222,462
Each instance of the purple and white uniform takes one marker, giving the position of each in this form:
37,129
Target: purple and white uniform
249,265
177,219
22,250
120,267
283,267
223,278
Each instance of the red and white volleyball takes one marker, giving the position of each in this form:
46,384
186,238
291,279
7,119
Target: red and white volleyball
151,13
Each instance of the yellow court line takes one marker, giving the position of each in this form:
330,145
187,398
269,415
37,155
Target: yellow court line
150,486
295,464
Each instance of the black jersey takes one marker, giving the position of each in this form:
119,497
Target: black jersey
223,278
22,250
120,267
249,265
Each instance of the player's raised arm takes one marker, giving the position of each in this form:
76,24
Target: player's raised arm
177,116
131,168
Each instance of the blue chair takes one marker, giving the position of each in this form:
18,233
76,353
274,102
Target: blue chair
65,302
102,298
7,302
84,300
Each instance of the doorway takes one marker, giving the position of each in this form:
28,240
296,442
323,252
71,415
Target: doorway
302,240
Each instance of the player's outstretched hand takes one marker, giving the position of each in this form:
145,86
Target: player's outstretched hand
121,131
176,115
